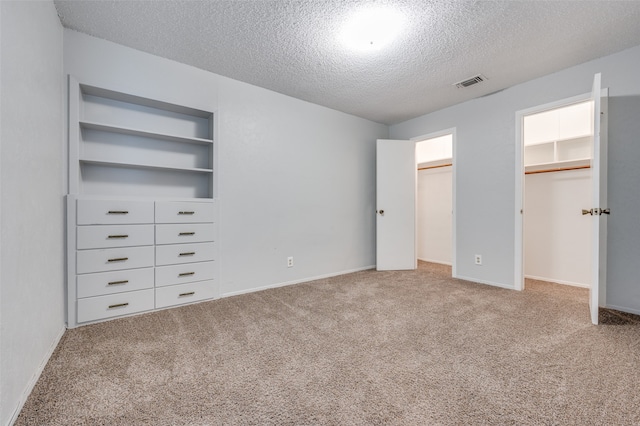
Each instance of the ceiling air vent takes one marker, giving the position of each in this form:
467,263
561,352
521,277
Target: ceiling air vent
470,81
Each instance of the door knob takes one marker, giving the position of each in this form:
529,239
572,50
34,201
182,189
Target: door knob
381,212
584,212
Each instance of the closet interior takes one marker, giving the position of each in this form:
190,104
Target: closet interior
434,159
558,147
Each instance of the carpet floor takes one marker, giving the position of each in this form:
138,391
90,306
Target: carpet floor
393,348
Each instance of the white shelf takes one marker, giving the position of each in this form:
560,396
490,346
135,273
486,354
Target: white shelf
567,164
142,166
92,125
139,100
551,142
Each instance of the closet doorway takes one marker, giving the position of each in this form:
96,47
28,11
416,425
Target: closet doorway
397,197
557,151
434,162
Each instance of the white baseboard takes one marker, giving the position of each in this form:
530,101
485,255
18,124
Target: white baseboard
435,261
623,309
475,280
555,281
303,280
36,376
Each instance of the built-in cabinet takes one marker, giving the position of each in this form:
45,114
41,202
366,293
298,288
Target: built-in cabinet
142,216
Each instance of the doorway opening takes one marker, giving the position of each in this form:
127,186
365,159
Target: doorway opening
597,209
557,147
434,199
397,203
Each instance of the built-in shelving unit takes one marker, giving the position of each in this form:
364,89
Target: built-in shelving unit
142,213
558,139
166,149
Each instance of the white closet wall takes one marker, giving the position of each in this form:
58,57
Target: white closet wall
557,237
435,199
434,215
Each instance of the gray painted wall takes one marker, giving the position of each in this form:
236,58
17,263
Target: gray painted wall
32,210
295,179
485,177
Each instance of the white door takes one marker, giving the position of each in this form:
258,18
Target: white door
396,176
599,204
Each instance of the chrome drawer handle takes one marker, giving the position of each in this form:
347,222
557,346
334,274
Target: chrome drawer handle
186,233
186,212
191,293
118,282
118,212
189,253
117,236
186,274
118,259
118,305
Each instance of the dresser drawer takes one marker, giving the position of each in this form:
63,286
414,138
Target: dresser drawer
113,305
184,293
102,283
185,273
109,212
113,259
184,253
185,212
107,236
185,233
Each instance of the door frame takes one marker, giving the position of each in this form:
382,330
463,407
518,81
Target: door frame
451,131
519,181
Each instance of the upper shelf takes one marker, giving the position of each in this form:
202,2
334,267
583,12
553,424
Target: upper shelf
92,125
138,100
586,137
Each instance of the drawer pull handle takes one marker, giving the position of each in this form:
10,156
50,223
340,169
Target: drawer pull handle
117,236
186,212
190,293
189,253
118,259
186,274
118,305
118,212
186,233
118,282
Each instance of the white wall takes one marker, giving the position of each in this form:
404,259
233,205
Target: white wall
485,164
435,197
31,213
557,237
295,179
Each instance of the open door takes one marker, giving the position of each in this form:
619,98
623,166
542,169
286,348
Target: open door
396,186
599,203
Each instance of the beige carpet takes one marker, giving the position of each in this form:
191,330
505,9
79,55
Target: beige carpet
403,348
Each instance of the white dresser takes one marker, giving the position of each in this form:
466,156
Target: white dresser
142,216
129,256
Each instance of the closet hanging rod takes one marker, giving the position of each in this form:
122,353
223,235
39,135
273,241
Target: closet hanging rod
435,167
561,169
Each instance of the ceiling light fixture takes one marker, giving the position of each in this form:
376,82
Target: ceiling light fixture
372,29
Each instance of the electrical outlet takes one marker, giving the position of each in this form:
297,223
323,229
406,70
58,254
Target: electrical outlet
478,259
290,262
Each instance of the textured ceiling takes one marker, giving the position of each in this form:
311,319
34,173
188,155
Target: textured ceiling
293,47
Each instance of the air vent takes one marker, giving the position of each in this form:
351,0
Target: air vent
470,81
